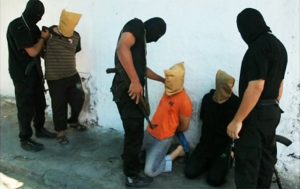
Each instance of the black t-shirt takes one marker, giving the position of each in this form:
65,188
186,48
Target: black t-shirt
127,107
266,59
136,27
215,118
20,37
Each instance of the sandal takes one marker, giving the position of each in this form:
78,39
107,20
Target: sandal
63,140
78,127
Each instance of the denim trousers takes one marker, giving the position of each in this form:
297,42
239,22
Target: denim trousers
157,160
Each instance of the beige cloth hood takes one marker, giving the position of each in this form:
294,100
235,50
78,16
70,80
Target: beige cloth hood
67,23
174,79
224,85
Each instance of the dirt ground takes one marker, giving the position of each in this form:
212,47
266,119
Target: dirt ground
91,160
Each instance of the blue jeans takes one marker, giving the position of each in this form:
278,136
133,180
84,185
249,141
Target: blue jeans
156,159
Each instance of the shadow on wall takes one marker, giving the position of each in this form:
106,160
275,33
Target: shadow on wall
88,115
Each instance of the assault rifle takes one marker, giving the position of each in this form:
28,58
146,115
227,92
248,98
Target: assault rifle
144,108
143,104
285,141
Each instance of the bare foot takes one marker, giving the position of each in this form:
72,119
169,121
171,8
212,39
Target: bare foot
178,152
60,134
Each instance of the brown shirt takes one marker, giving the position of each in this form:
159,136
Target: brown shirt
60,61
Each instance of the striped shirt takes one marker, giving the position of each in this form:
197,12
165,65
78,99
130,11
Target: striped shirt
60,61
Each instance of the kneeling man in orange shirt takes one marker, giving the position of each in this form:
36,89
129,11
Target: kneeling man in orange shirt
172,115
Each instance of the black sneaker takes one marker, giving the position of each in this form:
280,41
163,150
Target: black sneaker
138,181
31,145
43,133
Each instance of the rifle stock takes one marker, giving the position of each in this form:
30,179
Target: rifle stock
283,140
143,104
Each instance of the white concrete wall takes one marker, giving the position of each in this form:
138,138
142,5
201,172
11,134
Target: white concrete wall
201,33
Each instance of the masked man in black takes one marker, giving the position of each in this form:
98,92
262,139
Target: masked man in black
131,57
25,42
261,84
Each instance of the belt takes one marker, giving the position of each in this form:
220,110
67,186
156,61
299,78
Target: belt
267,102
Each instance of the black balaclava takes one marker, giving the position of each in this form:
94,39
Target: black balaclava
155,28
33,12
251,24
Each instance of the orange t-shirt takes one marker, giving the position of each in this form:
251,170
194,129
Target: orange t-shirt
167,114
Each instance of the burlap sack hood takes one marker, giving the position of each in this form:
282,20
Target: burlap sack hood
67,23
224,85
174,79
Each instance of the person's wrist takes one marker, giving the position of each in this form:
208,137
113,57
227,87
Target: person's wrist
135,81
237,121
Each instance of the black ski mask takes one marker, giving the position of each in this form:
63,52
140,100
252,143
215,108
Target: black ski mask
33,12
251,24
155,28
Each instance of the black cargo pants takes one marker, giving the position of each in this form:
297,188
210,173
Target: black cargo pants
255,151
31,104
133,124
